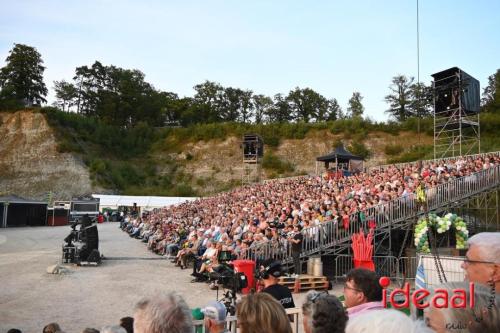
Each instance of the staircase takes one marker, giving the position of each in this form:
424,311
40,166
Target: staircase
399,214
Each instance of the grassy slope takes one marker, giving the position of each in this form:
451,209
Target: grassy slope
205,159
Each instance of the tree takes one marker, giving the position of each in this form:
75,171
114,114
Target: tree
306,104
491,94
334,110
230,104
21,80
400,98
247,106
355,107
66,94
262,104
422,102
280,111
210,96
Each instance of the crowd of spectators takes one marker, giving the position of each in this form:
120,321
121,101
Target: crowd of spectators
245,219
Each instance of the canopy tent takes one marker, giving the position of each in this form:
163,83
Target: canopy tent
145,202
344,158
16,211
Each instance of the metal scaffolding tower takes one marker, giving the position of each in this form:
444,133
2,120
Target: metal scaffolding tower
253,151
456,113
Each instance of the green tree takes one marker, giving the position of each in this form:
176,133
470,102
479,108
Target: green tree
421,102
306,104
355,108
334,110
261,104
230,104
400,97
247,107
491,94
66,94
210,96
21,80
280,111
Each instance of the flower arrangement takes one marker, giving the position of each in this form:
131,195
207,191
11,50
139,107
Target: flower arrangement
442,224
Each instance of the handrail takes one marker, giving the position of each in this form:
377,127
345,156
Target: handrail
404,164
390,214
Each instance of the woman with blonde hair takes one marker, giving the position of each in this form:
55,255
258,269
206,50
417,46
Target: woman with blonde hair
261,313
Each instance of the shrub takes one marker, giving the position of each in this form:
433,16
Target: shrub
359,148
273,162
393,149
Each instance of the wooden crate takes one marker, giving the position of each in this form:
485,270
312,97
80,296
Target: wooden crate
304,282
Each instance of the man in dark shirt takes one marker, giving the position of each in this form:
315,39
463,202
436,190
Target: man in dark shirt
269,274
296,242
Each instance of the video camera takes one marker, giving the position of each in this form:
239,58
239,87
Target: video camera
228,278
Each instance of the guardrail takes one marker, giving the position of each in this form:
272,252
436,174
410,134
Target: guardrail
392,214
231,322
445,159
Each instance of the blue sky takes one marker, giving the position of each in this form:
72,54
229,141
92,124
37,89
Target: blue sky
333,47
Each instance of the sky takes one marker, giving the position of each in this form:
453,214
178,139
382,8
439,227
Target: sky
333,47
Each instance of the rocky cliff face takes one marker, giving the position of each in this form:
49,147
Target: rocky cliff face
31,166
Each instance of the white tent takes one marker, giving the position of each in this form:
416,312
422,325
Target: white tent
145,202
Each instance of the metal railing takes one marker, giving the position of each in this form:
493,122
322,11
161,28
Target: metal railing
231,325
393,214
445,159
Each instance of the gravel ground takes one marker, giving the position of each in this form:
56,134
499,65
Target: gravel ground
86,296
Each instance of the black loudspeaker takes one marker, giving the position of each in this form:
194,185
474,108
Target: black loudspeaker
90,236
253,146
453,89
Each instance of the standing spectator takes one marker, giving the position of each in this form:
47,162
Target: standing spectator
482,260
215,317
166,313
362,292
296,241
270,272
323,313
258,313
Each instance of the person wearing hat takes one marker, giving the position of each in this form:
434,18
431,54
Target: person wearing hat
215,317
269,273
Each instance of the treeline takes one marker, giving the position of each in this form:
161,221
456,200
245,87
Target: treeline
123,97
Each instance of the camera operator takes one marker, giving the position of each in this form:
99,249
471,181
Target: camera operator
296,241
268,277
